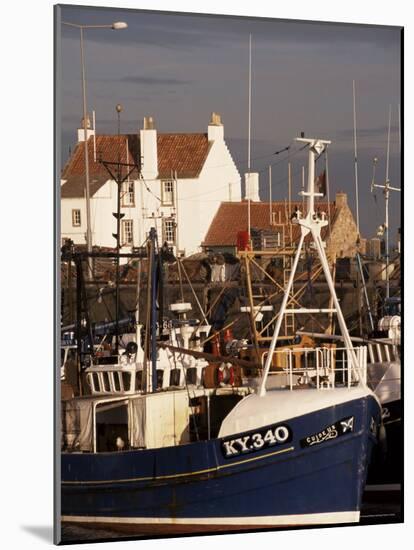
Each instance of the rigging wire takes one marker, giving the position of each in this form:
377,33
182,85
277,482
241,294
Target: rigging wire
280,181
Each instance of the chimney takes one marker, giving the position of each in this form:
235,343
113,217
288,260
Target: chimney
149,152
341,199
251,180
89,130
215,128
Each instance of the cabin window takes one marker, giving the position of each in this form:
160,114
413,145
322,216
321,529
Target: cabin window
127,233
175,377
128,194
76,217
168,230
191,376
167,192
160,378
138,380
106,383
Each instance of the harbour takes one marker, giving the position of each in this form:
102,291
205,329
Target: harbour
230,360
221,398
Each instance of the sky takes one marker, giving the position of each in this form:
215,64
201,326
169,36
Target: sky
180,68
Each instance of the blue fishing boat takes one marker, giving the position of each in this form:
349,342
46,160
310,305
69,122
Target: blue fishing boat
203,453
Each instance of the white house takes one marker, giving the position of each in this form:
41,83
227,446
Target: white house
177,185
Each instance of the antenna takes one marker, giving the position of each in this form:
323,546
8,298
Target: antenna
374,165
388,146
250,103
387,188
303,187
399,126
270,194
249,135
355,160
94,135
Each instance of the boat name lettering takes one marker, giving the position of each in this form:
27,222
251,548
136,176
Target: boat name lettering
254,441
342,427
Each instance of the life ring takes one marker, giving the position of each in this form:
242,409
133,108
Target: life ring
226,375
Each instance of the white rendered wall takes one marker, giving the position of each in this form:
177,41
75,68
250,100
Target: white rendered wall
219,181
77,234
197,201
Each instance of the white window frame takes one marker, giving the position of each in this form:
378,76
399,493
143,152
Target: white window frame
169,229
167,195
76,213
128,193
127,234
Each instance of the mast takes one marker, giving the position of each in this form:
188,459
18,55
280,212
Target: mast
387,188
355,161
270,194
115,170
118,215
290,201
154,292
387,195
249,135
94,135
399,127
311,224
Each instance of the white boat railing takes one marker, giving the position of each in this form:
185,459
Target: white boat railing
321,368
380,352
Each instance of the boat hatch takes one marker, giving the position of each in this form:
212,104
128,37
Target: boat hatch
112,427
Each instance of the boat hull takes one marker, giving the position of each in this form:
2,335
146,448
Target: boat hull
310,477
387,465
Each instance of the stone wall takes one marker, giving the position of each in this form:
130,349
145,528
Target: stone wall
343,239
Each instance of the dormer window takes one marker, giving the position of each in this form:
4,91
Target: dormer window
167,192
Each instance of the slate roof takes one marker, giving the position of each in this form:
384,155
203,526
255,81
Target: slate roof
184,153
232,217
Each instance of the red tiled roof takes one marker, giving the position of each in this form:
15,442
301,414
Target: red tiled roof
184,153
231,217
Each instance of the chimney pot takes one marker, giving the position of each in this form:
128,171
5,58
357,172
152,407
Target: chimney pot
148,123
215,119
215,128
341,199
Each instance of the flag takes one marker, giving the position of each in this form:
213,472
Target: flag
320,183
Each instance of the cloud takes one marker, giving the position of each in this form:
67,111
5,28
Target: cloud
179,31
378,131
154,81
